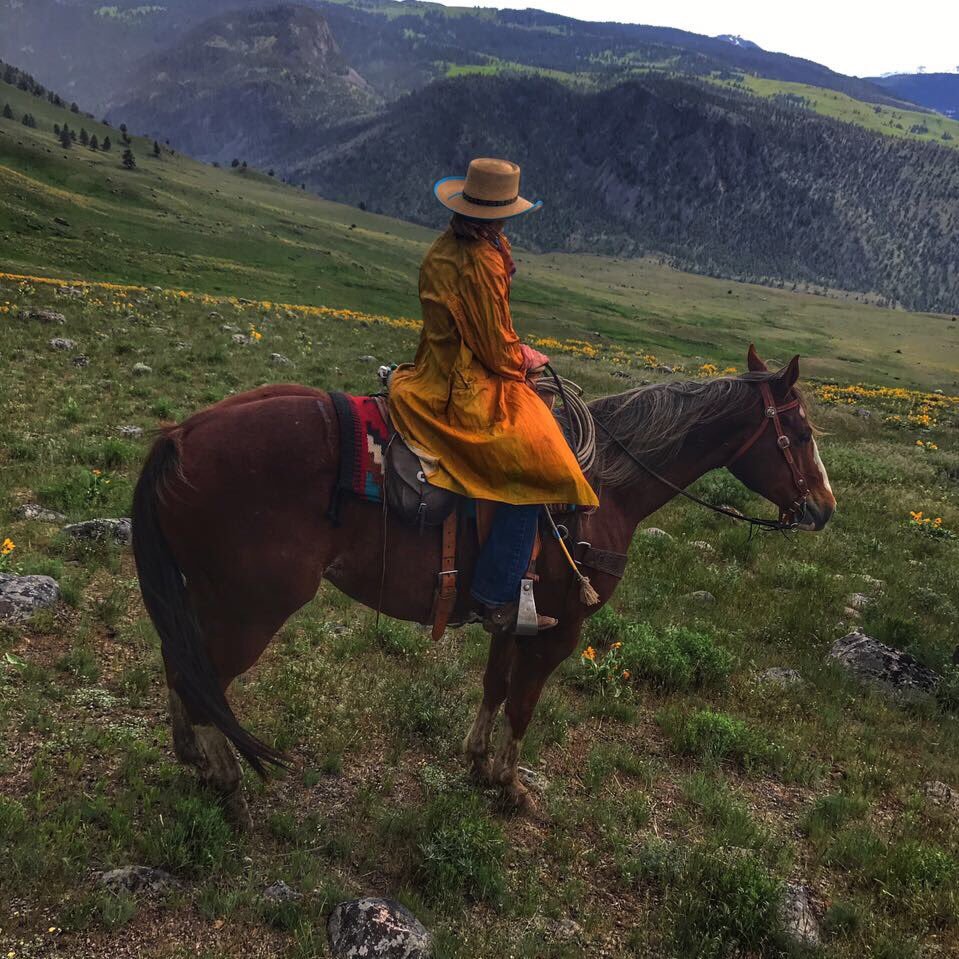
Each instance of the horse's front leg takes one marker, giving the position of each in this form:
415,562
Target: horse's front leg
495,687
535,660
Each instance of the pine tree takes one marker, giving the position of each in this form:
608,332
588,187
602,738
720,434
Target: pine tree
56,129
235,163
129,160
66,140
123,131
107,145
74,108
156,148
7,112
94,143
84,137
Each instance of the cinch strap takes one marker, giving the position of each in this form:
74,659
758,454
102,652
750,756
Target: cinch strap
478,202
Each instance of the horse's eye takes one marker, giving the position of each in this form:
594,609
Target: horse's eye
804,437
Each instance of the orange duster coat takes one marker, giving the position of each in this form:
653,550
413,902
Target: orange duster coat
464,404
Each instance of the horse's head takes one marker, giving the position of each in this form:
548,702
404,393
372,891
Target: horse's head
779,458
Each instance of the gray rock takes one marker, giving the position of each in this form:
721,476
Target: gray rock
278,359
871,581
71,291
61,343
663,368
241,339
44,316
703,546
100,530
859,601
851,613
279,891
81,360
39,513
137,879
229,328
621,374
130,432
565,930
701,596
532,778
797,917
22,596
367,359
779,676
939,794
376,929
141,369
654,532
891,670
862,412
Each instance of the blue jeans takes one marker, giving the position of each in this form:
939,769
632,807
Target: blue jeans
505,556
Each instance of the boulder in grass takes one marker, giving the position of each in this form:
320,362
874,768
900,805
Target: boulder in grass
22,596
894,672
654,532
44,316
145,879
141,369
101,530
779,676
61,343
377,929
279,891
797,917
39,513
701,596
278,359
130,432
81,360
939,794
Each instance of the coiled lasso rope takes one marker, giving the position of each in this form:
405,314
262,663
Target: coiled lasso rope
580,430
575,416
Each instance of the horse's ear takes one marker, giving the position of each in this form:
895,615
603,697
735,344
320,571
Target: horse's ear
786,377
753,363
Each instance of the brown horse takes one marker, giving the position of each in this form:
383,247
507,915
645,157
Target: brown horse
231,537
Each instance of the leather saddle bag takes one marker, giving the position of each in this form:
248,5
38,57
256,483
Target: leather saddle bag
409,495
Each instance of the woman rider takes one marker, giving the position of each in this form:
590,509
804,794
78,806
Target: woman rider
465,406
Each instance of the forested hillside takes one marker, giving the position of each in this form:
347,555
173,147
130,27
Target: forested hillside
720,182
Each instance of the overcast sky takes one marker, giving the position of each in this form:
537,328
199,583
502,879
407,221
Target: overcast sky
856,37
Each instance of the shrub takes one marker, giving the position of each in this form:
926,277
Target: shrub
194,840
714,735
675,658
727,903
830,813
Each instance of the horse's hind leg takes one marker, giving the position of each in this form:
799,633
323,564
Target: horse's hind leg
495,686
210,753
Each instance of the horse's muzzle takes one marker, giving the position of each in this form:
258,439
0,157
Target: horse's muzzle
815,516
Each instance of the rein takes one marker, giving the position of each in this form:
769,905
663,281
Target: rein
771,413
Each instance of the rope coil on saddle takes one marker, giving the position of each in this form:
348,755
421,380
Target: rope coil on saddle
579,424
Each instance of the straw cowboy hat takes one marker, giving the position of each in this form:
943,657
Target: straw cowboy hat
489,191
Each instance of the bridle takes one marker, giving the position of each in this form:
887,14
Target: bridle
789,519
771,413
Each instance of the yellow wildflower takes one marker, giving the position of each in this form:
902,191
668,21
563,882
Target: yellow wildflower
7,547
589,653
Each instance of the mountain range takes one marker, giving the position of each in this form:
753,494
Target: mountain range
937,91
642,139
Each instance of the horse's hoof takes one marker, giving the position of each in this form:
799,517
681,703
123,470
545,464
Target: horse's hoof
237,811
481,770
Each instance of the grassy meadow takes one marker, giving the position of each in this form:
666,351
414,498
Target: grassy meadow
678,801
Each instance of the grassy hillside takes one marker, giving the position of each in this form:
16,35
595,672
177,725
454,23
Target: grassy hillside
891,121
177,223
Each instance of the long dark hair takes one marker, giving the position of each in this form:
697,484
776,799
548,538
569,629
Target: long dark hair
466,228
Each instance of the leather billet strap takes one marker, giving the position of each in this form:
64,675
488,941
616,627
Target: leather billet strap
603,560
444,599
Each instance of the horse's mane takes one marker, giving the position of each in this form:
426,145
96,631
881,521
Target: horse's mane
655,420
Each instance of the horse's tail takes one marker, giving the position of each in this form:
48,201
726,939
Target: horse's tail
166,599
